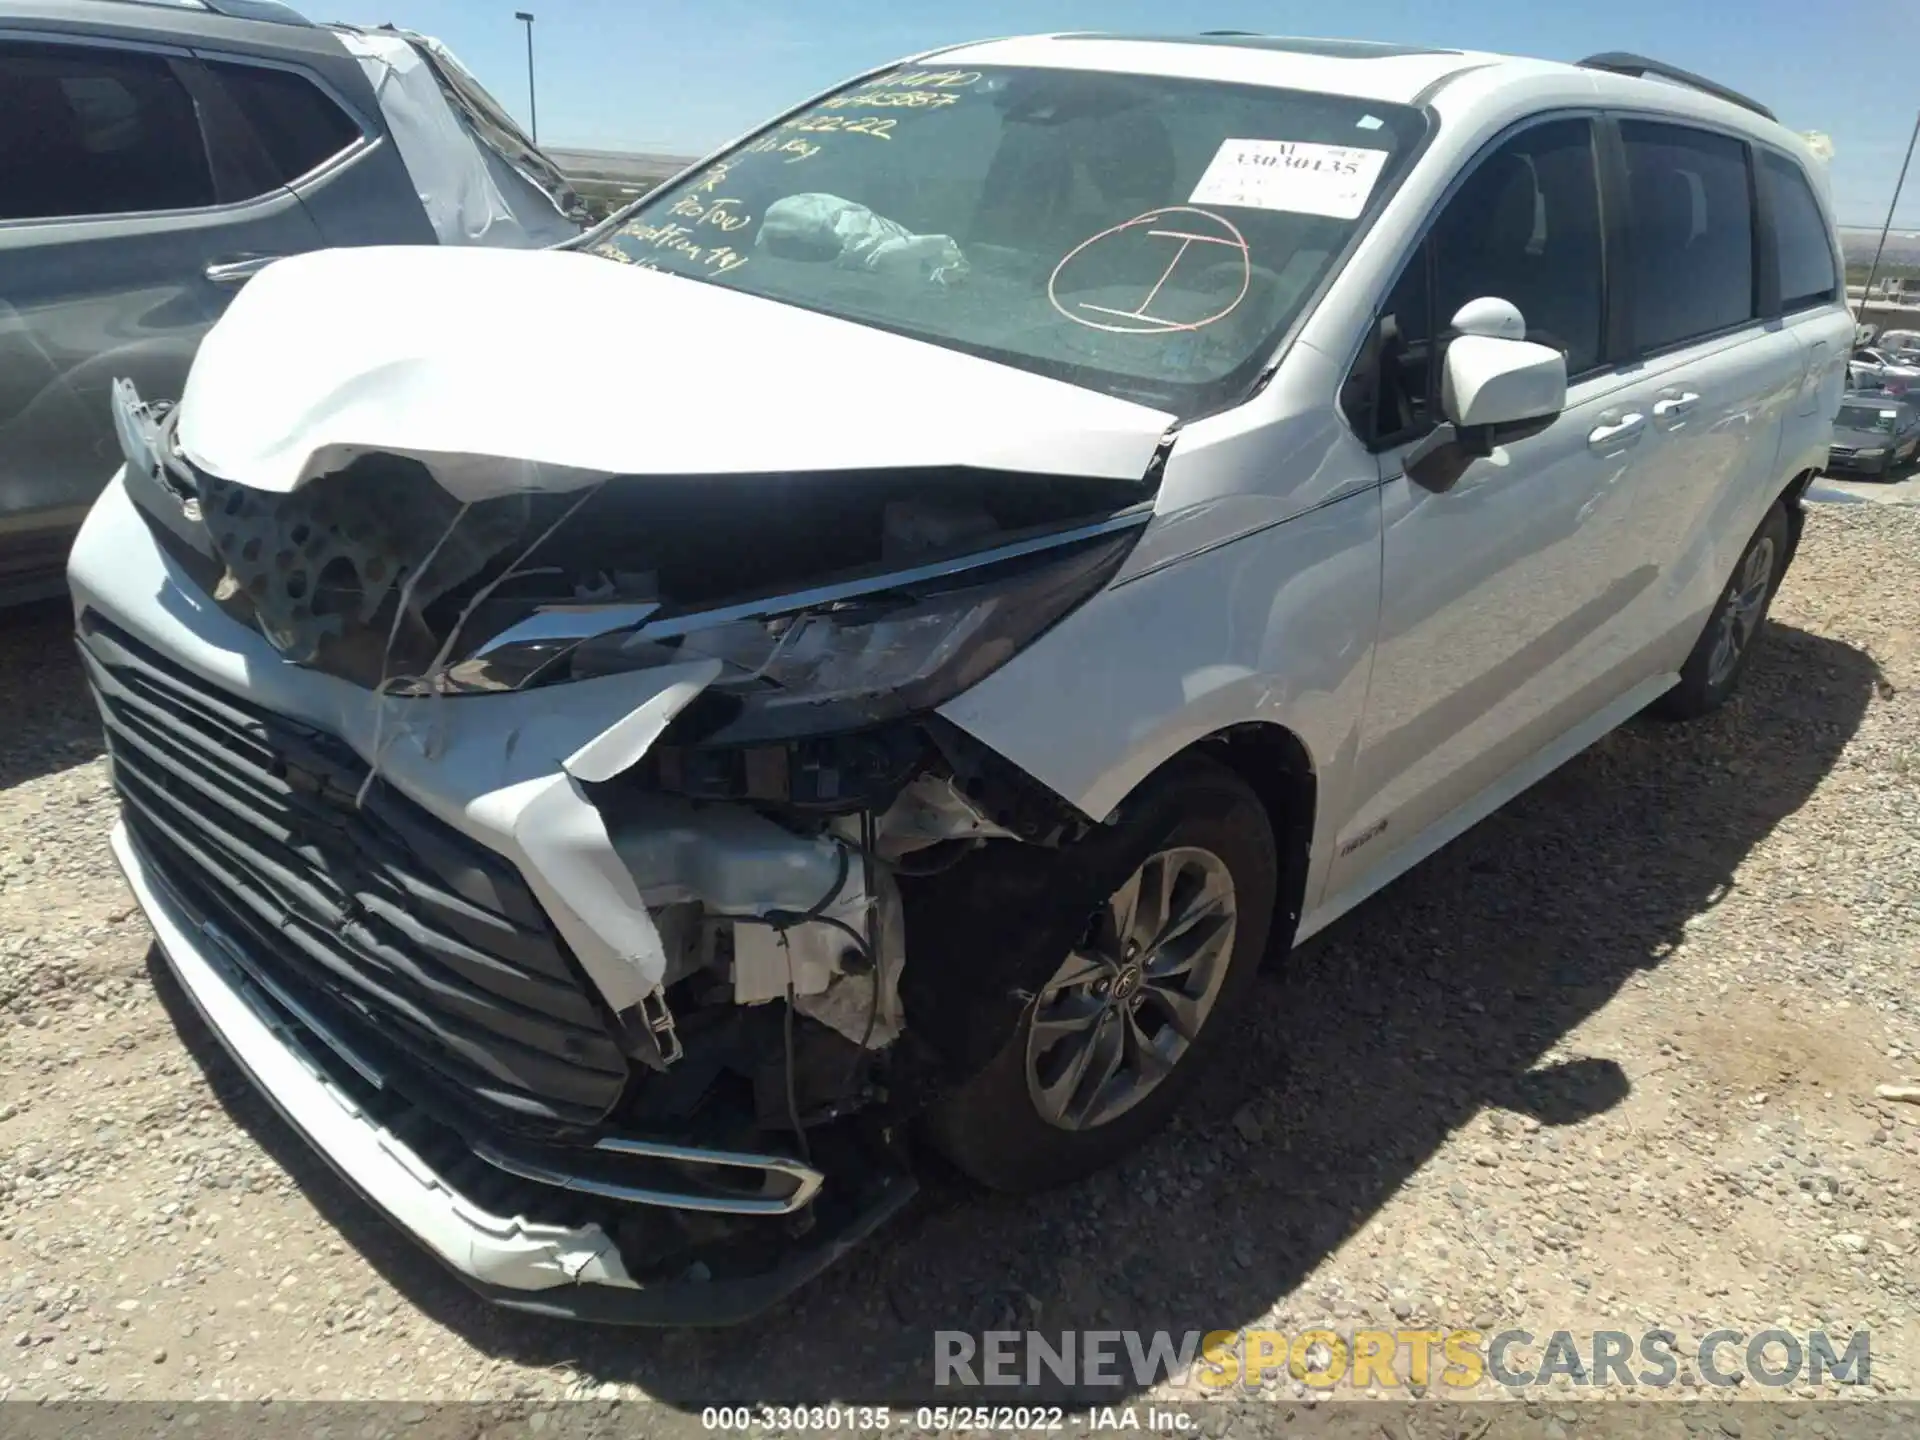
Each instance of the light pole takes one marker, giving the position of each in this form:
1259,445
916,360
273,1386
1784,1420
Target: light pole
533,109
1866,296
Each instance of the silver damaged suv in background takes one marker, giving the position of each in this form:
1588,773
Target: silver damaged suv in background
874,643
155,156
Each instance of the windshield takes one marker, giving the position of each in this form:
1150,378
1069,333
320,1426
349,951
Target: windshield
1859,417
1146,236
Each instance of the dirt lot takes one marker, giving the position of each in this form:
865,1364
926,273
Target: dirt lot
1608,1062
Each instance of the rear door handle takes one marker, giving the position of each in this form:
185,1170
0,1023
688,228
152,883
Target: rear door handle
1616,430
1674,404
238,272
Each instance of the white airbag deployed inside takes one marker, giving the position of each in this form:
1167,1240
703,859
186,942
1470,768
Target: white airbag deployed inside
858,239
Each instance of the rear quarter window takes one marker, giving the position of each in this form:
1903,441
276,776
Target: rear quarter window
1808,275
1690,243
297,125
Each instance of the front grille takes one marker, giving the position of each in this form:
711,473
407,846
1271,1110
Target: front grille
417,954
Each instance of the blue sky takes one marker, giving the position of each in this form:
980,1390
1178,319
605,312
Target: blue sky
683,75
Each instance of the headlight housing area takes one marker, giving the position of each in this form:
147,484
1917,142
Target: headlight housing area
870,651
1873,453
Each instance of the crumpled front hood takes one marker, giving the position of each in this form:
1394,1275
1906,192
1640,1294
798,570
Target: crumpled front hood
569,368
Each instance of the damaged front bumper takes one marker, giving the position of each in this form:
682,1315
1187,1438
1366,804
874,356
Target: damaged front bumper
507,1251
404,969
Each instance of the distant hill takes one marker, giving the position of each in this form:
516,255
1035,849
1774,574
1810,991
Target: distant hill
1903,246
630,167
609,179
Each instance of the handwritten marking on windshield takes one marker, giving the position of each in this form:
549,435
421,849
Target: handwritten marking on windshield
926,79
676,239
893,100
717,213
919,90
1139,320
710,182
795,150
874,125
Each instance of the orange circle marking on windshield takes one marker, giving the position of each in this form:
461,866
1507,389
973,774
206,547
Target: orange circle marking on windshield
1138,321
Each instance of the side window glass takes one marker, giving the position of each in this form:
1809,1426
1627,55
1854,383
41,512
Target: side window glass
297,124
87,132
1525,226
1691,233
1387,397
1800,231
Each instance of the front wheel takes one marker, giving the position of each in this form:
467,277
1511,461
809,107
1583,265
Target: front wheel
1118,1034
1721,655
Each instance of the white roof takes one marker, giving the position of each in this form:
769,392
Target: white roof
1390,74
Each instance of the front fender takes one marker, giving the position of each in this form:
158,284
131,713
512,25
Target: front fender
1275,627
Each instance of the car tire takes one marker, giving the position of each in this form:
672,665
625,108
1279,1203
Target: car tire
1725,647
1024,1122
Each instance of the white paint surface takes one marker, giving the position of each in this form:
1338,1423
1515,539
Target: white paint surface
510,370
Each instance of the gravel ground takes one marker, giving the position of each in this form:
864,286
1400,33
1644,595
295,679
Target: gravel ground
1607,1062
1902,490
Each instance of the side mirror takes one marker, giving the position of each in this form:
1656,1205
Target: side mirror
1491,316
1488,383
1494,387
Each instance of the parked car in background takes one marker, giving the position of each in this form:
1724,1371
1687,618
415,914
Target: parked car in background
1900,345
154,157
1874,433
1872,368
910,613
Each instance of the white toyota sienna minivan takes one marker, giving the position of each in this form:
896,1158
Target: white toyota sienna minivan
873,644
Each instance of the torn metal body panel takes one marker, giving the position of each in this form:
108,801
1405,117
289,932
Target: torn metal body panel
592,898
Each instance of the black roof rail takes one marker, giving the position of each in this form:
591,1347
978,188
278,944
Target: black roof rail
1624,62
271,10
275,11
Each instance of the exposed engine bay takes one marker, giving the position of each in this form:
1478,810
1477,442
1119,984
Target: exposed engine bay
818,877
378,574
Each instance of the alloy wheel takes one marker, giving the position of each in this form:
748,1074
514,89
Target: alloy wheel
1128,1002
1740,612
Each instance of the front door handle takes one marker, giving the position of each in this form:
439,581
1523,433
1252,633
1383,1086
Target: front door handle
238,272
1616,430
1674,404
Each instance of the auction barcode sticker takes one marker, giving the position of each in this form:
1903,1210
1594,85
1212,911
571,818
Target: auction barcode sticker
1293,175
